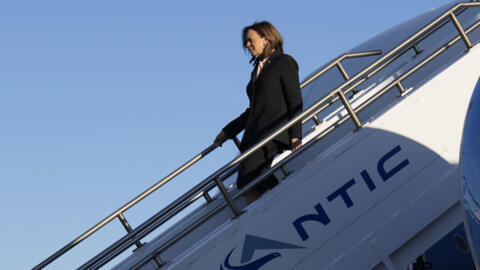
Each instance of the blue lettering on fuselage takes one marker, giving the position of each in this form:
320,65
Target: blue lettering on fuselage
322,217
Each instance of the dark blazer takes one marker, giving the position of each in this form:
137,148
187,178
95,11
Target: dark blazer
275,98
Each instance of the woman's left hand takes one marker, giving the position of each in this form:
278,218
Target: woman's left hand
296,143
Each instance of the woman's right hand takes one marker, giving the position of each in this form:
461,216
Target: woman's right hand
220,139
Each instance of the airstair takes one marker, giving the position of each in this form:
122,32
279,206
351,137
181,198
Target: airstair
374,185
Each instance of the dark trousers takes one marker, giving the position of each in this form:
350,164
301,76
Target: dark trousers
257,163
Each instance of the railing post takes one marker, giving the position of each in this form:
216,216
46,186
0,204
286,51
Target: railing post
284,170
316,120
227,197
207,197
139,244
349,108
416,49
158,261
460,30
236,141
127,226
342,71
400,88
345,75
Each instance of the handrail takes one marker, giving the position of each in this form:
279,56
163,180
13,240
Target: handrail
203,184
338,63
119,213
216,175
413,46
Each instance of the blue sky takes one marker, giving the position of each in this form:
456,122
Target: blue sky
100,99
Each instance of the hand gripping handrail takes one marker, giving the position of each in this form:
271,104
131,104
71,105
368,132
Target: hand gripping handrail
119,213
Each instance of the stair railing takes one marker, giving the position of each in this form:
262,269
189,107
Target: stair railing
119,213
339,94
201,189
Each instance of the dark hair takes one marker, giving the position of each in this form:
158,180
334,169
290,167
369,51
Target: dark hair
269,32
